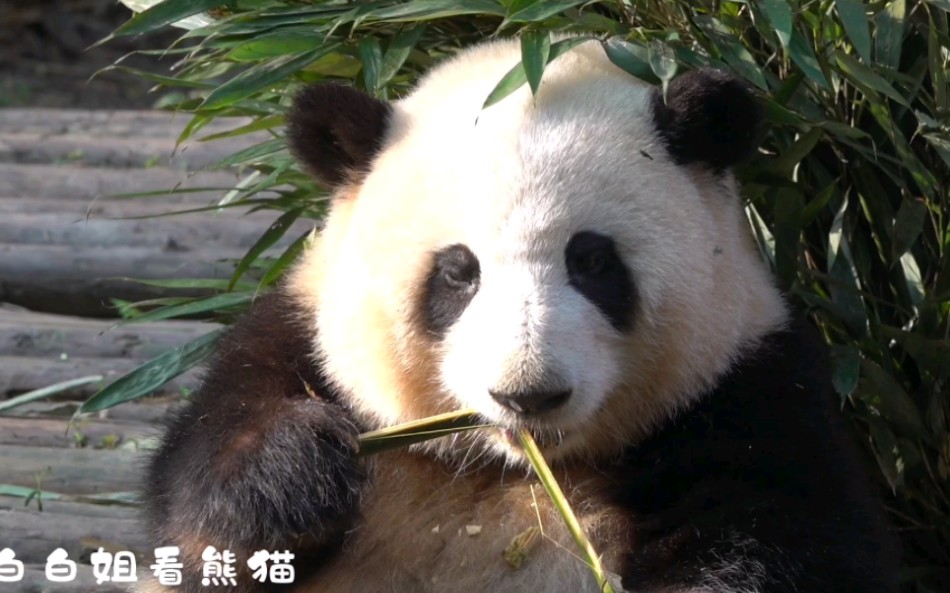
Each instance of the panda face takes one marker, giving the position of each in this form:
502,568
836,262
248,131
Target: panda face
554,262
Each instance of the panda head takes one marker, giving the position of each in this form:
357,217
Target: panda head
575,262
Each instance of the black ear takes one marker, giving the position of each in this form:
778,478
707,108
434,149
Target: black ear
708,117
335,131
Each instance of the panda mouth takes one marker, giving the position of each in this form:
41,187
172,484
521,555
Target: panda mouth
546,439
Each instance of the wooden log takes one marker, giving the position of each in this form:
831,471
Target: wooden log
23,333
228,231
89,183
106,123
71,471
86,432
117,151
64,279
19,374
33,535
151,410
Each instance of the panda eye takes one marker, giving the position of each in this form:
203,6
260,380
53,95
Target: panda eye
589,264
595,270
449,288
589,254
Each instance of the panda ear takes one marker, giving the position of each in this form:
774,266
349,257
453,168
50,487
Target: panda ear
708,117
335,131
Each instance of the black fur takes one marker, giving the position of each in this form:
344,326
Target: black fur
708,117
449,287
596,271
759,483
336,131
263,456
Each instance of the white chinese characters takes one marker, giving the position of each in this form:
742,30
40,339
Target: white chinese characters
218,569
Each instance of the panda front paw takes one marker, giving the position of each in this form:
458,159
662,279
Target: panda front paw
265,477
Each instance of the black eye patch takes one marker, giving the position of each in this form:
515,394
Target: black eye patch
595,270
449,287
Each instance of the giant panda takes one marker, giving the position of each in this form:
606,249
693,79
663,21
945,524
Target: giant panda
574,262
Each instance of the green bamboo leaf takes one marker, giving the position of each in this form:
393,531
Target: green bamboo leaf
153,374
219,302
864,77
44,392
803,55
264,123
797,152
846,365
733,52
879,389
516,77
662,62
816,206
166,13
274,44
288,257
853,15
932,354
889,34
846,291
435,9
541,10
535,49
398,52
27,492
273,234
780,16
908,225
251,153
188,283
630,57
941,144
371,54
260,77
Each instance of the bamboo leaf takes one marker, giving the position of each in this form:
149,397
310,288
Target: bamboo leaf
398,51
853,16
864,77
44,392
516,77
273,234
288,257
889,36
630,57
803,55
541,10
780,16
166,13
907,226
262,76
193,307
371,54
535,49
153,374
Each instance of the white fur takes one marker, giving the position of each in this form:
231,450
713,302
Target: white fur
514,182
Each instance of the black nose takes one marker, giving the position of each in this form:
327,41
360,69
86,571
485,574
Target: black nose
532,402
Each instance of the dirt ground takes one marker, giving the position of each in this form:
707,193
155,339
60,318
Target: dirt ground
44,60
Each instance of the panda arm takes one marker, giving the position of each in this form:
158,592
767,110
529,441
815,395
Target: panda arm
263,456
758,488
